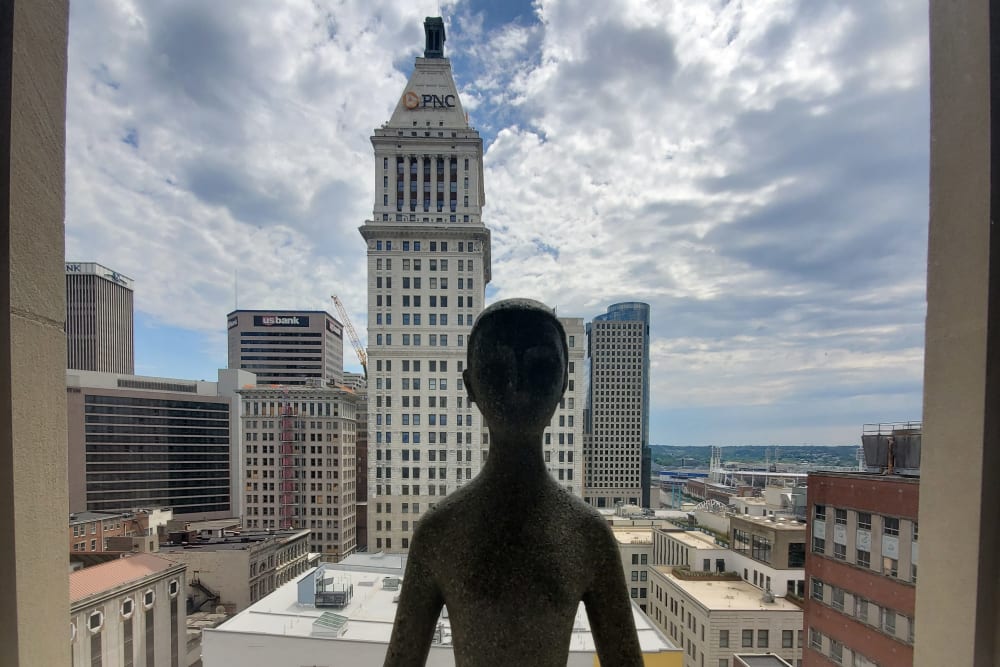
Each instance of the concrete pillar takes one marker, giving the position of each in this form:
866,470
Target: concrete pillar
958,588
34,607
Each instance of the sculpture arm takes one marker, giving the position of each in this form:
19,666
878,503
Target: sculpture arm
420,603
610,609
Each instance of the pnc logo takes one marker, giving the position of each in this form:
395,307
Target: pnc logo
412,101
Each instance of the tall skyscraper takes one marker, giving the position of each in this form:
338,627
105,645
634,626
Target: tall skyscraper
288,347
99,324
617,442
428,265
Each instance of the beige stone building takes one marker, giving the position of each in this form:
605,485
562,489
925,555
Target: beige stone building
128,611
712,618
562,442
636,548
237,571
428,266
690,548
298,463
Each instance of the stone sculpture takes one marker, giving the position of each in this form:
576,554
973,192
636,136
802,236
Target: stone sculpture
512,553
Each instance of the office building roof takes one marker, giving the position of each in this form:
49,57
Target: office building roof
725,595
694,538
370,613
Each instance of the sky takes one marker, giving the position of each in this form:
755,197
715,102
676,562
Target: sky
756,171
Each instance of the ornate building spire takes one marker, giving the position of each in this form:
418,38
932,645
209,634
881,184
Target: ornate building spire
434,37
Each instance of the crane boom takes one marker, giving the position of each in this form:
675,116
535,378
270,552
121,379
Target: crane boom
355,341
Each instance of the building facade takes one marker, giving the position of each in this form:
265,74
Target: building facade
137,441
237,570
129,611
635,545
287,347
562,441
99,319
90,531
712,618
298,463
428,266
770,553
617,448
861,569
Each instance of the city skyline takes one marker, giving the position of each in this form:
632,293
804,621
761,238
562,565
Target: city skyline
760,180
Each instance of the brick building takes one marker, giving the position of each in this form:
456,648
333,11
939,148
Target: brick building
861,569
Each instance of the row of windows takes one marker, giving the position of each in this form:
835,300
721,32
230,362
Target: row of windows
433,319
835,650
415,265
433,340
415,300
897,625
463,246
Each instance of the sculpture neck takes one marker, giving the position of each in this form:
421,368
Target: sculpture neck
516,457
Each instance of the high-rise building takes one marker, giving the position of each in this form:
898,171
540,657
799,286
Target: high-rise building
298,460
99,324
428,265
287,347
562,442
138,441
617,441
861,569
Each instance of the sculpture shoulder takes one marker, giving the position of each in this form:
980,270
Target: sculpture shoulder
444,517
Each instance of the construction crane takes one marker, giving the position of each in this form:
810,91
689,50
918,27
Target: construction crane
355,341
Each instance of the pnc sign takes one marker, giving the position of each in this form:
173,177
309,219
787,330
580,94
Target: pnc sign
412,100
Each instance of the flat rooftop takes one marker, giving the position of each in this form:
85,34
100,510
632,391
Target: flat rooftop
633,535
777,523
695,539
726,595
213,524
372,609
235,543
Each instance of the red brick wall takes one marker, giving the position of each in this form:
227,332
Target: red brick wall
891,496
869,493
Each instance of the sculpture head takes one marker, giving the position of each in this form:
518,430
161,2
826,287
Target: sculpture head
517,365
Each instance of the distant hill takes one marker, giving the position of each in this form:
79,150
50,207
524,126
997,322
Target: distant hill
699,456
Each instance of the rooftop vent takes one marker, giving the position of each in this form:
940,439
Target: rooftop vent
329,625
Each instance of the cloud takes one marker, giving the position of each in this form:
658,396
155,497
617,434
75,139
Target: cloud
757,172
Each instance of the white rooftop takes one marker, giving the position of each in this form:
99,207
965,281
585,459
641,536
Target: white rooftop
735,595
694,538
371,611
633,535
